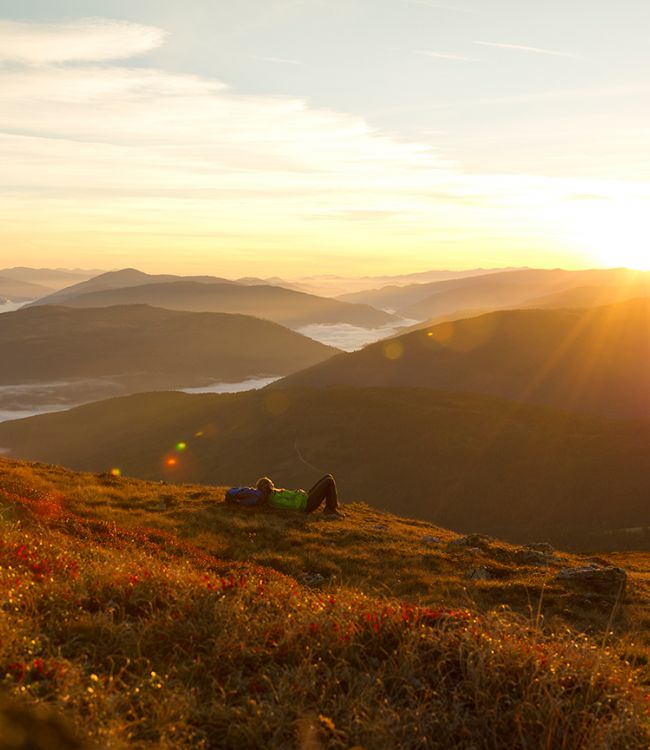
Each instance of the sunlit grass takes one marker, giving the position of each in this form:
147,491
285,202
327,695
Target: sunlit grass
178,637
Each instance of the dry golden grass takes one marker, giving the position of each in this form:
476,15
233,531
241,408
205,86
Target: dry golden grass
154,615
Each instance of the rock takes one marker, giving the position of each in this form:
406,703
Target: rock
428,539
602,579
533,557
380,527
478,574
471,540
544,547
313,579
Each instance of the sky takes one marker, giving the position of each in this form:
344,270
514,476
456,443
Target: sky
301,137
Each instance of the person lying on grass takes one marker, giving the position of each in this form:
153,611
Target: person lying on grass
323,490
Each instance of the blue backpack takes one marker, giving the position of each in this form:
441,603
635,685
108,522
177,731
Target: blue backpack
244,496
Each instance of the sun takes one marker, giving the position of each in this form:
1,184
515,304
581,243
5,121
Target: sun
614,233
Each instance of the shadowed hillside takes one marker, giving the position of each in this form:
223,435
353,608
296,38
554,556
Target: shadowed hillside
595,360
470,463
196,629
285,306
141,347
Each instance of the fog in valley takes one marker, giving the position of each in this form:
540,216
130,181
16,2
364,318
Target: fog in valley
10,306
350,338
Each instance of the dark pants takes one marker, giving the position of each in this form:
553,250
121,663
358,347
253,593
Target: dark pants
324,489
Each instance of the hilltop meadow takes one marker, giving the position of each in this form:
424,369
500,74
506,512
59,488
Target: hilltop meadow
463,461
154,615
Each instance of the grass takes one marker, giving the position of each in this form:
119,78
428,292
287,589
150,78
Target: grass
462,461
151,615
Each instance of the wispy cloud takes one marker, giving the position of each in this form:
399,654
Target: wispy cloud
89,39
146,163
526,48
445,56
280,60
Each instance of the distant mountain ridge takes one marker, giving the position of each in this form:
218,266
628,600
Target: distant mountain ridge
20,291
52,278
124,278
530,287
593,360
287,307
342,287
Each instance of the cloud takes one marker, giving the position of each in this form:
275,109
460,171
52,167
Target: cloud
445,56
438,6
86,40
281,60
133,158
526,48
141,163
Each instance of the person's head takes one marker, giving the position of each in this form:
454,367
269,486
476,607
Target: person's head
264,485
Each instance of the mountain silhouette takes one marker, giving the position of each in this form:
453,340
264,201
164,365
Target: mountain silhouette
18,290
529,287
291,308
126,277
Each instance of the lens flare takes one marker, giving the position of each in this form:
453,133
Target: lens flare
181,446
171,461
393,350
462,335
116,472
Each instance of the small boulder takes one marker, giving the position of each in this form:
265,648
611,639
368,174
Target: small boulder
544,547
471,540
428,539
533,557
313,579
602,579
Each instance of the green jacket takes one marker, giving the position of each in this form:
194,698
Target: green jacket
288,499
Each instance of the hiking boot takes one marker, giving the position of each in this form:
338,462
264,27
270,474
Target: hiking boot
332,515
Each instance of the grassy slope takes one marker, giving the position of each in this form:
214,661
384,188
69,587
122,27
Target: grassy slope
467,462
595,361
204,633
160,347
